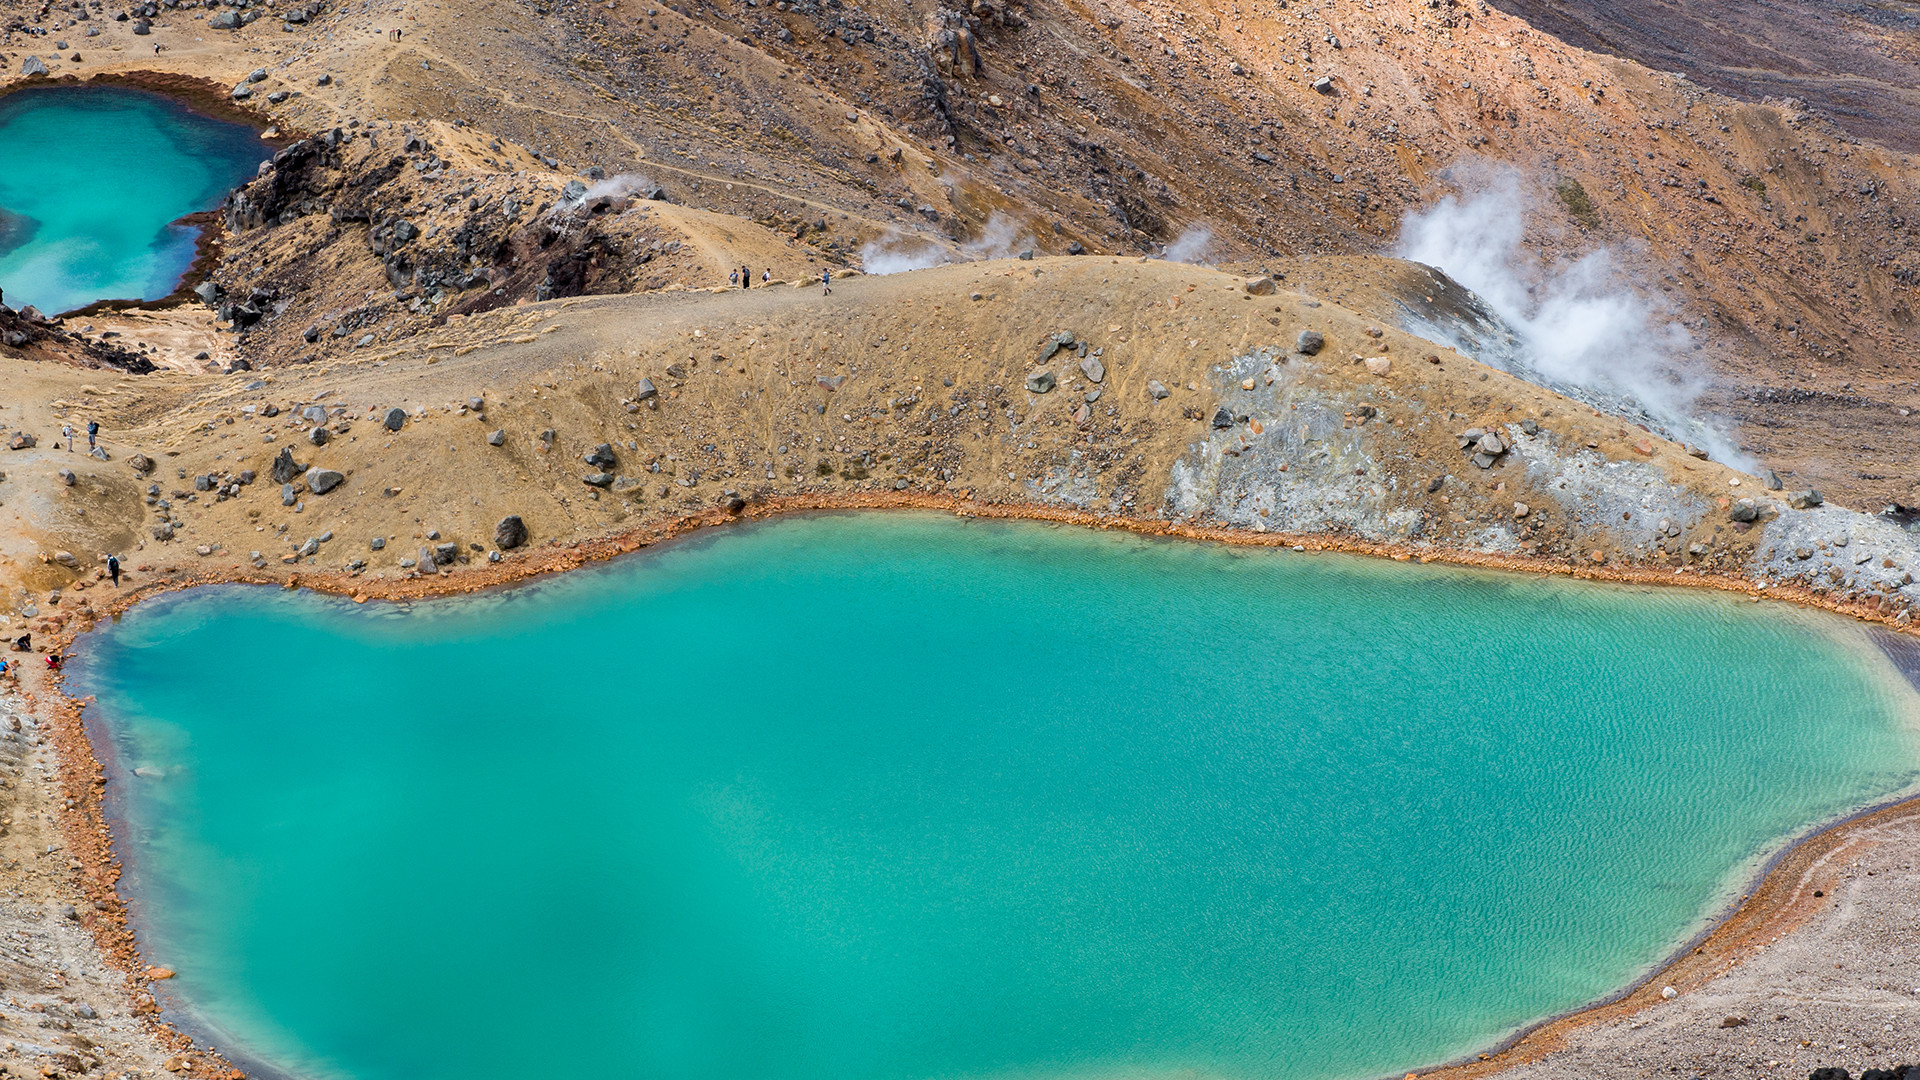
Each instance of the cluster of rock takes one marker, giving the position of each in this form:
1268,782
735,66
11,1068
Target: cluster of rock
1042,380
1483,446
28,329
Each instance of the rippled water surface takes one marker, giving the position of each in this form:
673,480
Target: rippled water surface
902,796
91,179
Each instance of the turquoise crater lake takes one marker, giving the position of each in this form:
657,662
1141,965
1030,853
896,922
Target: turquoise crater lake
902,796
92,179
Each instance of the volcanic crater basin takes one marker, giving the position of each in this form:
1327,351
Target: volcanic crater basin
93,182
895,795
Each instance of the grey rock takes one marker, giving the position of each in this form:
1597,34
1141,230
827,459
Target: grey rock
288,496
32,66
1697,550
645,391
163,531
1491,444
1771,479
1484,460
98,454
476,404
1805,500
320,481
203,482
444,554
510,533
285,468
573,191
257,75
378,543
497,437
319,436
598,479
1040,380
1309,342
426,563
1745,510
600,457
1222,418
314,414
1157,389
1093,369
1259,286
1436,484
395,419
311,547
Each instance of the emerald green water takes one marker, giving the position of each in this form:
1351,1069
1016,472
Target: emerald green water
904,796
91,179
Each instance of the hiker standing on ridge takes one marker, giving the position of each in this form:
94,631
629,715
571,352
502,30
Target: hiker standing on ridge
826,282
93,432
766,275
733,278
746,277
113,569
66,430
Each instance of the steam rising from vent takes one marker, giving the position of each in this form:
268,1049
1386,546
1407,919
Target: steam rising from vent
622,184
1193,245
1579,325
896,254
1002,238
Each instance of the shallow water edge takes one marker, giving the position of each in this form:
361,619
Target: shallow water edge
1772,903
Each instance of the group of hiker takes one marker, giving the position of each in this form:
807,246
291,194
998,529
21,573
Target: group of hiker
743,278
24,642
93,434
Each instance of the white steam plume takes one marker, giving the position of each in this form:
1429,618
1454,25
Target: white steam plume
1001,238
1193,245
1580,325
896,254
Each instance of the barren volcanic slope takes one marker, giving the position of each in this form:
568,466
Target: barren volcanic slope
1857,62
1780,241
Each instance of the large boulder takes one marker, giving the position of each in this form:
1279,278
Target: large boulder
1040,380
33,66
320,481
600,457
1309,342
510,533
395,419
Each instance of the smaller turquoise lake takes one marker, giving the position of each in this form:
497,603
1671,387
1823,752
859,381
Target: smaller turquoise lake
908,797
91,181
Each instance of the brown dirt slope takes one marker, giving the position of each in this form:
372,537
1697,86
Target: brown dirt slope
1783,243
1856,62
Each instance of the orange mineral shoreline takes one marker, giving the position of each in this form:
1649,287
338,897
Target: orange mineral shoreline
1780,899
